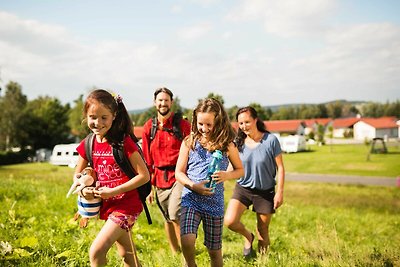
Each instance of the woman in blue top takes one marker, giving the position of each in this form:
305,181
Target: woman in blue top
261,156
211,130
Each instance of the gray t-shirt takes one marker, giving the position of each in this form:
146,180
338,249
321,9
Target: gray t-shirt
259,163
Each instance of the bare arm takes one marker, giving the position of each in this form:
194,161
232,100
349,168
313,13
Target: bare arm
235,169
181,176
278,200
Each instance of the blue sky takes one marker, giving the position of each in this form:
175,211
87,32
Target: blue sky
269,52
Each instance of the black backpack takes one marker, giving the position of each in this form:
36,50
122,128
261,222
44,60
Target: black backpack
125,166
176,129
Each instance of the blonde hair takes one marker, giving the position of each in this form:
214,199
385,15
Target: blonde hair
222,134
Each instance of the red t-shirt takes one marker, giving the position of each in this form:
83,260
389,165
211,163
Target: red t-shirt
164,151
110,175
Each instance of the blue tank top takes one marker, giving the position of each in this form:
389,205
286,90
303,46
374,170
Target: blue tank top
198,162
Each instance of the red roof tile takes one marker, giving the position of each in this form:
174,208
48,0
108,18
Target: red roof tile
344,122
381,123
283,125
321,121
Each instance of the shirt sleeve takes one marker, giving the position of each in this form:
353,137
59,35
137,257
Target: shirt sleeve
145,143
81,149
130,146
185,127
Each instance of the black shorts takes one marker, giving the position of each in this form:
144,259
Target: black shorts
262,200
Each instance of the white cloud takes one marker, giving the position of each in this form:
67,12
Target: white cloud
287,18
195,32
176,9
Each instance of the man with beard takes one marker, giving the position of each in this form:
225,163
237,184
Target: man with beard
161,151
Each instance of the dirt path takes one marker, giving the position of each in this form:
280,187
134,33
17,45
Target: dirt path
342,179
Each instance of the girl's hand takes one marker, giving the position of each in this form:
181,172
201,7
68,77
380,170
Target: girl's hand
200,188
220,176
104,192
150,197
87,192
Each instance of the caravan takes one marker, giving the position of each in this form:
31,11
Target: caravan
64,154
293,143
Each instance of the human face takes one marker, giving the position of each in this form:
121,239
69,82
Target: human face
99,119
205,123
247,123
163,103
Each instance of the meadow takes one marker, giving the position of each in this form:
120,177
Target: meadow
318,225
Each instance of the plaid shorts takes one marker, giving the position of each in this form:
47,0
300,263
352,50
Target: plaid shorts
212,226
124,221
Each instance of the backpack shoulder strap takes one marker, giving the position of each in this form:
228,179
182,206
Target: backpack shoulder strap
89,148
176,125
126,167
154,126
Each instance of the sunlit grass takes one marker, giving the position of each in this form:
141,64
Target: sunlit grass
345,160
318,225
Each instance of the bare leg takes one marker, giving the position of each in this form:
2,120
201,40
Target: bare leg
107,236
232,220
188,249
173,232
126,249
216,257
263,221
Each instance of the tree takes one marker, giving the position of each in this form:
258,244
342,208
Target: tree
335,109
11,106
76,121
261,112
44,123
216,96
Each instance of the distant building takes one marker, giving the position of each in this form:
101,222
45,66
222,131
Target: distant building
312,124
369,128
343,127
286,127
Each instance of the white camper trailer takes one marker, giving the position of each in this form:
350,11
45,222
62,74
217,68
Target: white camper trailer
293,143
64,154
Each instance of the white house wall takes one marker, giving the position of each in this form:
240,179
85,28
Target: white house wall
363,131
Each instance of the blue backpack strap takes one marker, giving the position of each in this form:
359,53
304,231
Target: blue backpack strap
126,167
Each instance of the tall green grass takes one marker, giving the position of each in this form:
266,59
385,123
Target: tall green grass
318,225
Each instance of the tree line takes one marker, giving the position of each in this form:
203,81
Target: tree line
44,122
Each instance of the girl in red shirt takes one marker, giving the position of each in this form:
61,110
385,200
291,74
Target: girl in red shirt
109,120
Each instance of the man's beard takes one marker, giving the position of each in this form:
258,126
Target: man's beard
165,112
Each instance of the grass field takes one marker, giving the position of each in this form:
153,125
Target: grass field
318,225
345,160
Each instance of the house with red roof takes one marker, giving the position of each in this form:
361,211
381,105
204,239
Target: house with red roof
369,128
313,124
286,127
343,127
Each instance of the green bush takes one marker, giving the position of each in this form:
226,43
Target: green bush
9,157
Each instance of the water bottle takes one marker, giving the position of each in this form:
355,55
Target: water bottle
213,167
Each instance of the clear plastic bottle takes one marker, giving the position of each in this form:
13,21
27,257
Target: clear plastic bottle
213,167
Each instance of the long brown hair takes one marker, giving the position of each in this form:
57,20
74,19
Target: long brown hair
222,134
122,124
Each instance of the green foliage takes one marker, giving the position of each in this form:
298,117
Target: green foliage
318,225
11,106
44,123
76,121
10,157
